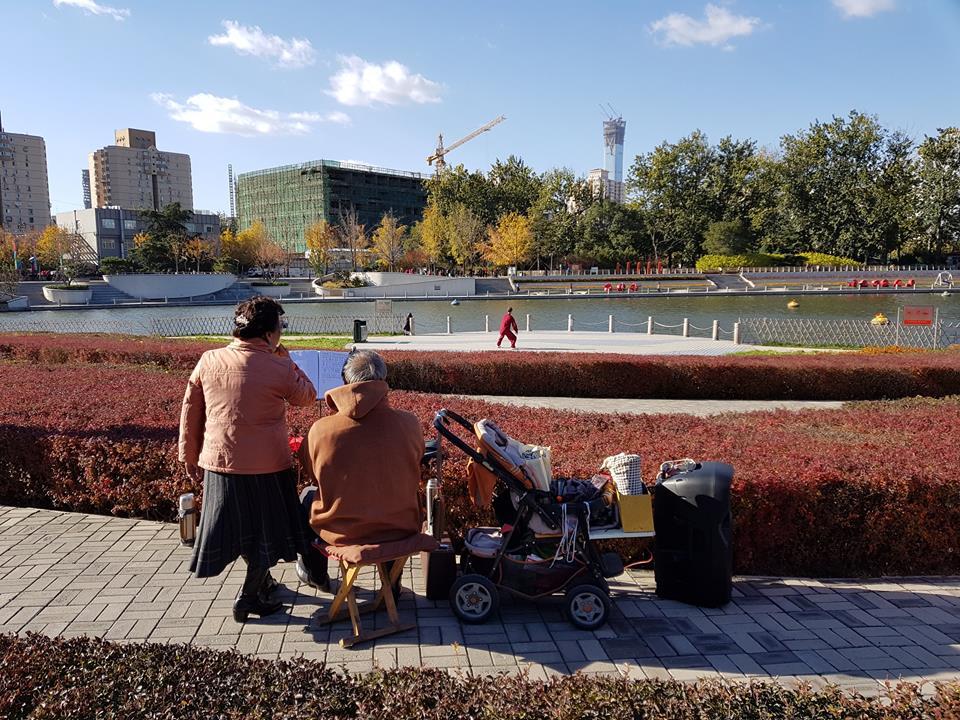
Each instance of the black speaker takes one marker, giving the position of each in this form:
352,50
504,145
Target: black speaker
693,551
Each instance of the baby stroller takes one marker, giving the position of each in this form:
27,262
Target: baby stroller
543,546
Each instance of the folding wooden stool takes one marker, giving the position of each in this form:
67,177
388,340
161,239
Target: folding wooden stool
352,559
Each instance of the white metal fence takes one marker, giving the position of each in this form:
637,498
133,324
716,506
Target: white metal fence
846,333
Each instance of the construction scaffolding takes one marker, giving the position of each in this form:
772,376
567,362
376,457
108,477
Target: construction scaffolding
291,198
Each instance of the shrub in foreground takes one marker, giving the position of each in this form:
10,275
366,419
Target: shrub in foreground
832,376
877,480
84,678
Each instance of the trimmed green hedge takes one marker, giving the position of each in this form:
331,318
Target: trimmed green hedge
716,262
748,260
42,677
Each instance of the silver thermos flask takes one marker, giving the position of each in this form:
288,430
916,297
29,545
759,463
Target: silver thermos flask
188,519
431,509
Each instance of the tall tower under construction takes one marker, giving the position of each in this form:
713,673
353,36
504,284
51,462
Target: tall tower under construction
607,182
614,129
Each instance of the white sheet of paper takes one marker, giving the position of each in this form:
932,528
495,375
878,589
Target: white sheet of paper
322,367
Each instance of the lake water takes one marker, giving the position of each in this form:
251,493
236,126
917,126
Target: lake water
589,314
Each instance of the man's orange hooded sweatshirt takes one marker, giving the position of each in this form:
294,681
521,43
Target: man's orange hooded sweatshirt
365,460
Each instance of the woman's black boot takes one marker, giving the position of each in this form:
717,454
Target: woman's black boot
250,600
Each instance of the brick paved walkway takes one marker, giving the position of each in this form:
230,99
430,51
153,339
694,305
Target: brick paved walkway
126,580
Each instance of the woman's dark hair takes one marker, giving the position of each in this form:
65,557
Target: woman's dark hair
256,317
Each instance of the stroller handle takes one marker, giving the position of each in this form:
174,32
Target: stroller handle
441,422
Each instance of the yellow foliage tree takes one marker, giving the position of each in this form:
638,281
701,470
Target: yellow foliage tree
388,242
321,239
434,231
238,247
466,234
510,242
68,252
197,250
266,252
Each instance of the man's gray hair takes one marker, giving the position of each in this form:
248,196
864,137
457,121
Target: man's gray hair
362,366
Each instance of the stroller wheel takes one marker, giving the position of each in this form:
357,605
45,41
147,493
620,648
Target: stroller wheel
474,598
587,606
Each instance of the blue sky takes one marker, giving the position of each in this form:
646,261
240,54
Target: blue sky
261,84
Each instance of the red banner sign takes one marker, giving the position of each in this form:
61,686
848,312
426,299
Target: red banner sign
918,315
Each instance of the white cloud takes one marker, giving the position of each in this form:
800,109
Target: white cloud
862,8
293,53
93,8
362,83
718,27
214,114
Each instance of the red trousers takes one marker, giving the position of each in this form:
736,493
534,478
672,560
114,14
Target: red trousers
508,334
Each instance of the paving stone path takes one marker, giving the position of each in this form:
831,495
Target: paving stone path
126,580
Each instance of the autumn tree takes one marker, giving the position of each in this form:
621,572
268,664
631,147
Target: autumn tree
434,233
66,251
352,235
465,236
198,251
321,239
266,253
9,260
388,242
510,243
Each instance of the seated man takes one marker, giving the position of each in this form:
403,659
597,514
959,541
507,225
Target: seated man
365,462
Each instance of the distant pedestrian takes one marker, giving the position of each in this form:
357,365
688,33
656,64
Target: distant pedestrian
408,325
508,329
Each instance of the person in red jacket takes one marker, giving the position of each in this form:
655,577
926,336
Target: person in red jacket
508,329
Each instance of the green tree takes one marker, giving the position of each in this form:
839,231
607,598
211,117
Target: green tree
556,214
610,233
456,186
726,237
163,245
938,193
834,179
670,188
514,186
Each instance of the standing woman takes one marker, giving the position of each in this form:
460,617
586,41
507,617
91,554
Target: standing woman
233,436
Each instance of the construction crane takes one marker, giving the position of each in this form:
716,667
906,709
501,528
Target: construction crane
439,156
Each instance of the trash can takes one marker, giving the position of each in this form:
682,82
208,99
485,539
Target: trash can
359,331
693,552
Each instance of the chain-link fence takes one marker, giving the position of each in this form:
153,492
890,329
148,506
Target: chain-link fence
846,333
301,325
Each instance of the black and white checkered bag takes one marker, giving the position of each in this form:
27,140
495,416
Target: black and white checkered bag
625,471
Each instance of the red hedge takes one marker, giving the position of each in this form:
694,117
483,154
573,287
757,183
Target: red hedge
826,376
870,489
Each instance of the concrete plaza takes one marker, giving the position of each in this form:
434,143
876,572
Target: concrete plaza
632,343
126,580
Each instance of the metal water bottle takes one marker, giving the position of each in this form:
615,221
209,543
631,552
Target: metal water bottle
188,519
432,486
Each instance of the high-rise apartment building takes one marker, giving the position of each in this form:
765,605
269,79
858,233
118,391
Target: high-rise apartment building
133,174
608,181
289,199
602,186
24,189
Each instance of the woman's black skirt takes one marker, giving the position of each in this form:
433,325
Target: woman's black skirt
257,517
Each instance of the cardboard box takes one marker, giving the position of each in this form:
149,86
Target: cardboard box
636,512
